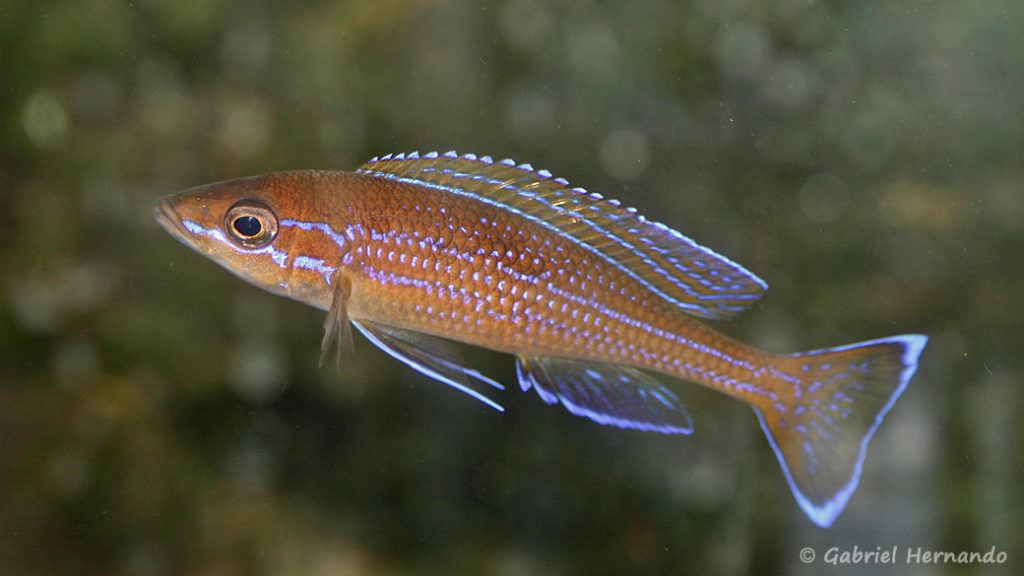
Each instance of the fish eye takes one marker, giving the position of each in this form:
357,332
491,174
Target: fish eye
251,223
248,226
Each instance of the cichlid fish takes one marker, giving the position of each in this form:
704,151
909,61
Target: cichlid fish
417,251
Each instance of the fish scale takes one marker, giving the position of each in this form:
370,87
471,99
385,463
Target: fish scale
462,263
576,302
417,251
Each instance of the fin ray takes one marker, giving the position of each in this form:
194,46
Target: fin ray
844,394
429,355
337,328
606,393
690,276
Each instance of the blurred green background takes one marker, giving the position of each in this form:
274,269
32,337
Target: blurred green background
160,417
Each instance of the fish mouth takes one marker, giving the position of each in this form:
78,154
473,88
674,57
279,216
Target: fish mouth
169,219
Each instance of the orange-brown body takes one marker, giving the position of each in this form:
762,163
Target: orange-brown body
427,263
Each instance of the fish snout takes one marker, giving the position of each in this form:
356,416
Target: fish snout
165,215
171,220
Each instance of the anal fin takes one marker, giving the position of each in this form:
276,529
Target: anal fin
606,393
429,355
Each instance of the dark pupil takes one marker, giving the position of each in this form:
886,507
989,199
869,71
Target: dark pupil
247,226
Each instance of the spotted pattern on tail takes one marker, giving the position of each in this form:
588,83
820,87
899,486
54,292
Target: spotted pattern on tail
821,435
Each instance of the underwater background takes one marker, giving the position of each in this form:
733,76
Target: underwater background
160,417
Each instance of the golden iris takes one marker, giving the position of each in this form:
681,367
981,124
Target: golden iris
251,223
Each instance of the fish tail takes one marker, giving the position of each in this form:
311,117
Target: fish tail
838,398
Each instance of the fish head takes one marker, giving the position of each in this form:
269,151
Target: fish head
246,226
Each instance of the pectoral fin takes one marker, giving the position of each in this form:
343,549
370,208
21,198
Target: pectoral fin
337,328
606,393
429,355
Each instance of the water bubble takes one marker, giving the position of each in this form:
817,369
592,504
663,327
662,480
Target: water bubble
594,51
743,50
257,372
790,85
625,155
526,23
531,114
44,119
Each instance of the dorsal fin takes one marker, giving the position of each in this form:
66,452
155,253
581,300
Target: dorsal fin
684,273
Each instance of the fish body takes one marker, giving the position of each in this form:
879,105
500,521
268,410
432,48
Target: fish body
418,251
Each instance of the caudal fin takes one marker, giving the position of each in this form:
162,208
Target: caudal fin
839,397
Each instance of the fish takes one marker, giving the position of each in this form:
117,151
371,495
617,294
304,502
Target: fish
422,253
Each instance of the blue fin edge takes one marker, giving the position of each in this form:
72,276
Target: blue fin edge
825,515
432,373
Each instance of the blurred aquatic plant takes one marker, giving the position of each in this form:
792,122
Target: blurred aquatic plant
865,158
